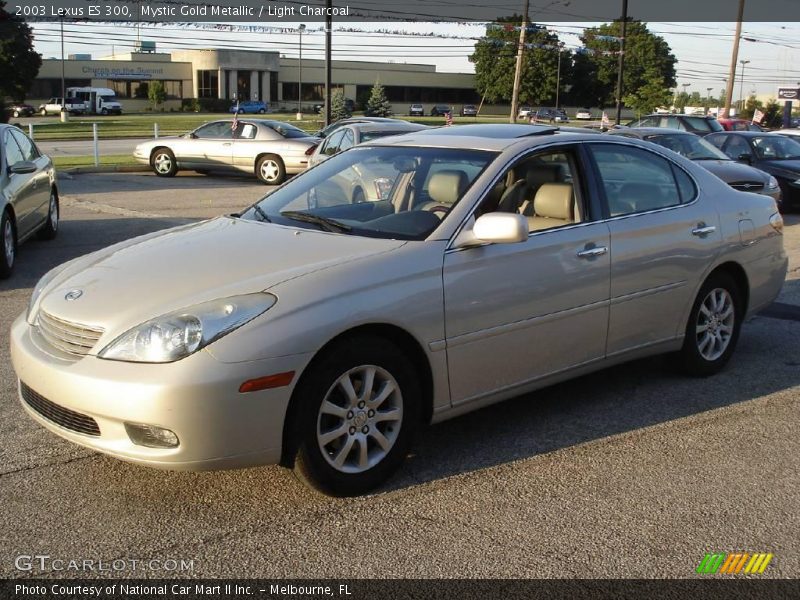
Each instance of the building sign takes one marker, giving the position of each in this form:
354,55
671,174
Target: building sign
122,72
788,93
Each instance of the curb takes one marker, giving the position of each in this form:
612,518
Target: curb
104,169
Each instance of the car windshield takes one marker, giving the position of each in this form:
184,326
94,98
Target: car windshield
108,98
374,135
776,147
379,191
690,146
286,130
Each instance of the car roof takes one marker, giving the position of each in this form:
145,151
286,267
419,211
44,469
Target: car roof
643,131
746,133
479,137
398,126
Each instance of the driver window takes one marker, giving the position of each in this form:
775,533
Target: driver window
347,141
11,150
332,144
736,147
543,188
219,129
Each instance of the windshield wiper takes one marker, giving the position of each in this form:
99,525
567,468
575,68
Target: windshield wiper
260,212
324,222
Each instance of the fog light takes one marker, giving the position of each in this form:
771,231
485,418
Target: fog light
151,436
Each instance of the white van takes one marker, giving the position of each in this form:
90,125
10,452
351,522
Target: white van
101,101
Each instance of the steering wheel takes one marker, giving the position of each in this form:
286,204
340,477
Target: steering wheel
439,210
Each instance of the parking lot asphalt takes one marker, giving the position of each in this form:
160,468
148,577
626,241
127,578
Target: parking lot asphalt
635,471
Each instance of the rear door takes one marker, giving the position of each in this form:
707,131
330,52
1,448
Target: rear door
664,233
20,191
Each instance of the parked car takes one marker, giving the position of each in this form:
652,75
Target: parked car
268,149
18,109
440,110
416,110
550,115
349,104
322,338
697,124
524,112
326,131
250,107
776,154
53,107
469,110
28,193
583,114
372,182
739,125
790,133
737,175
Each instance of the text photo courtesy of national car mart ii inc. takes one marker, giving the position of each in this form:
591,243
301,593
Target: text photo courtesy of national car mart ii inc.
211,590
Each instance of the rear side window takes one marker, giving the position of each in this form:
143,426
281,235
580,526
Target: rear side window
635,180
11,150
29,151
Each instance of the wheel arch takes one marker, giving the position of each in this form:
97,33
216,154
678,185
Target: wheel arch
156,149
739,275
407,343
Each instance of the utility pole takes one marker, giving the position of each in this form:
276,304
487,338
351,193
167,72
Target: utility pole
558,75
518,71
63,80
300,30
328,28
621,59
734,58
741,86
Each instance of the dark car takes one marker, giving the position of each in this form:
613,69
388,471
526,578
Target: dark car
697,124
737,175
440,110
416,110
469,110
349,104
776,154
551,115
739,125
17,110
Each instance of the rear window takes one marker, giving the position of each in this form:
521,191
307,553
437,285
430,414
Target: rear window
701,124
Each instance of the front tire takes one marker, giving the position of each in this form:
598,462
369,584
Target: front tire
270,169
16,114
43,112
104,112
9,254
50,229
713,327
360,406
164,163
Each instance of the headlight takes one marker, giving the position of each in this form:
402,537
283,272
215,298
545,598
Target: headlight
773,183
178,334
43,283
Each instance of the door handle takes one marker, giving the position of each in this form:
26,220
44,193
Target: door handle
703,229
592,252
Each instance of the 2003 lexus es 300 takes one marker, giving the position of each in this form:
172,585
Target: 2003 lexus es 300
320,335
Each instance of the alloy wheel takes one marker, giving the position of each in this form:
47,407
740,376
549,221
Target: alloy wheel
715,324
8,242
162,162
270,171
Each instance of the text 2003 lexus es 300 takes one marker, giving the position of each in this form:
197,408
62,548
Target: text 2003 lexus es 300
319,333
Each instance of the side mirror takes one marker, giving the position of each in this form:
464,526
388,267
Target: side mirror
495,228
22,168
745,158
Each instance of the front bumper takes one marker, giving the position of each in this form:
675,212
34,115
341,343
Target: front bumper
197,398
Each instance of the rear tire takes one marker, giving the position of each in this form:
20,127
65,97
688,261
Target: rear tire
8,257
163,162
270,169
713,327
16,114
43,112
359,411
50,229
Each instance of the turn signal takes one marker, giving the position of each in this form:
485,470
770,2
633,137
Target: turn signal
266,383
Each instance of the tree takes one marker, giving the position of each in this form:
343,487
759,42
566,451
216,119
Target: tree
495,59
649,96
647,56
750,107
378,105
338,105
156,93
19,64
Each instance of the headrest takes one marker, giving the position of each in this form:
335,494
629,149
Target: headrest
445,187
540,174
554,201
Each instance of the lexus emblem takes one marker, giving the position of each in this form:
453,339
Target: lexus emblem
73,294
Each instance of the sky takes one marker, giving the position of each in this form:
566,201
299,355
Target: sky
703,50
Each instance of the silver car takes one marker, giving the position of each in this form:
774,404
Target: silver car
505,258
268,149
28,194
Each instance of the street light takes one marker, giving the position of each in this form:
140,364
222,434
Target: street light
300,30
741,86
708,100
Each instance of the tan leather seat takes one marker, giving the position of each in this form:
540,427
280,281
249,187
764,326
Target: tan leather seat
553,206
444,189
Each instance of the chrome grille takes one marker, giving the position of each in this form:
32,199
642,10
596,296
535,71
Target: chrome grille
66,418
73,338
747,186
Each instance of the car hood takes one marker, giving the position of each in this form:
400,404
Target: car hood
731,171
788,168
140,279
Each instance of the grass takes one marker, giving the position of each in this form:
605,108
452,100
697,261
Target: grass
67,162
141,125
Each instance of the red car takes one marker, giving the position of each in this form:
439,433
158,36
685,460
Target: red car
739,125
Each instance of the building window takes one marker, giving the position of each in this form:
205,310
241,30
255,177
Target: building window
207,84
49,88
126,88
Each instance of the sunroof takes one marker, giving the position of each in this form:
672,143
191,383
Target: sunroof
499,131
